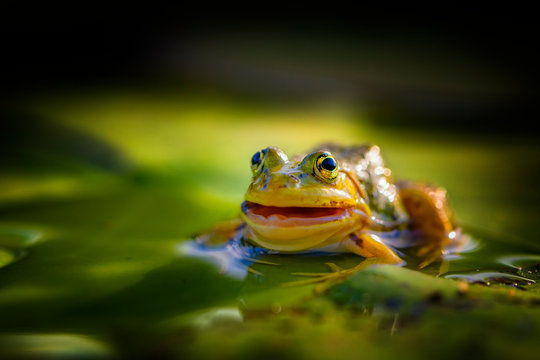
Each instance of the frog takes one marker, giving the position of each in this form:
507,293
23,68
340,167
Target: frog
340,198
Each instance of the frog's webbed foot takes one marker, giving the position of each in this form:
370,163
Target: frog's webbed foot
250,268
333,268
336,275
429,254
433,251
317,277
257,261
363,244
324,280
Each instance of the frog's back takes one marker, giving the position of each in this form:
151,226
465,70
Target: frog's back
366,164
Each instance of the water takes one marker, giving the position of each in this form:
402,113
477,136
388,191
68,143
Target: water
236,258
96,261
13,242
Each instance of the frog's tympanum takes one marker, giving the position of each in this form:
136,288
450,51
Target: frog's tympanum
341,199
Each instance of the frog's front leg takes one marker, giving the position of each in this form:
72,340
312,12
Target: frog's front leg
221,233
364,244
230,234
370,246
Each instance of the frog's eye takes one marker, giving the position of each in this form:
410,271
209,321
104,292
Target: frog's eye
326,167
257,160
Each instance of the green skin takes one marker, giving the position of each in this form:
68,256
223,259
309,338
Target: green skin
308,204
296,205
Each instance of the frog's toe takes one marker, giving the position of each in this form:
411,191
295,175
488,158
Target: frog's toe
309,274
337,275
429,255
326,280
333,267
257,261
302,282
253,271
331,277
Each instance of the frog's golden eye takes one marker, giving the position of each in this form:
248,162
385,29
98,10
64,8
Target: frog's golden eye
326,167
257,161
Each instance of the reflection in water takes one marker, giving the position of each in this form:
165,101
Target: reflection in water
461,243
520,270
489,277
221,256
526,265
52,346
456,249
232,258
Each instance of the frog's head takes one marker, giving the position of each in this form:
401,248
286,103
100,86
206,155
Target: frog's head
301,203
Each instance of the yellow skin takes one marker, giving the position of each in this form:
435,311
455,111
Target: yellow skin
284,188
336,198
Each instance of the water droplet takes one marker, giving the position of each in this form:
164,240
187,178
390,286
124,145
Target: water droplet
521,262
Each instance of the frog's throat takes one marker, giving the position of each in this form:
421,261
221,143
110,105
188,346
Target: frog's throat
298,229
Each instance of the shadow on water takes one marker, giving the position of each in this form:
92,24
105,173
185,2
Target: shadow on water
182,286
32,143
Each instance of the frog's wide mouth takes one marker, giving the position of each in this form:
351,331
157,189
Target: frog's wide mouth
291,216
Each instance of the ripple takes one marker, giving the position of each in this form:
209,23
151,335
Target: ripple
525,265
232,258
491,277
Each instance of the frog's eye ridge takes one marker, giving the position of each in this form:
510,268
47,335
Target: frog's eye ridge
326,167
257,160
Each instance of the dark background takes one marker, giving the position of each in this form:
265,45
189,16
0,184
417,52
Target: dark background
49,48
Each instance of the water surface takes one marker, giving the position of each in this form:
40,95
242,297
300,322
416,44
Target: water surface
92,231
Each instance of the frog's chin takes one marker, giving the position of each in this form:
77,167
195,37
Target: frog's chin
299,228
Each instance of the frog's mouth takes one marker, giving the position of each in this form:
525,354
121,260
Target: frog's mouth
291,216
299,228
